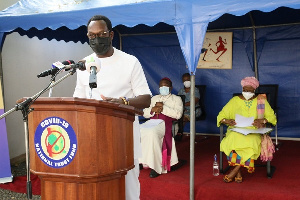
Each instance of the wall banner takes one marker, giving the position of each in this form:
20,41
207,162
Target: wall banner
5,170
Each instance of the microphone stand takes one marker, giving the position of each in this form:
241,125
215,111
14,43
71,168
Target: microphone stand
24,107
52,81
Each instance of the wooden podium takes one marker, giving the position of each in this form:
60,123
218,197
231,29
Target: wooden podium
104,150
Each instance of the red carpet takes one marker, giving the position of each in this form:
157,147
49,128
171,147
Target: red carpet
175,185
19,184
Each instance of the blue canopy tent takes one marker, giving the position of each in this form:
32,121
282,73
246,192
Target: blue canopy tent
190,19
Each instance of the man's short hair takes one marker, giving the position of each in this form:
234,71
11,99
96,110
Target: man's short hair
101,17
186,74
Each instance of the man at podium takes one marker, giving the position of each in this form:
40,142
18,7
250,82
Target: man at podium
120,78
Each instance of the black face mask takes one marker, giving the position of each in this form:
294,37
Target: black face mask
100,45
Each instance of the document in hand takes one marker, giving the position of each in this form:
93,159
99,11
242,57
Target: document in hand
247,131
242,121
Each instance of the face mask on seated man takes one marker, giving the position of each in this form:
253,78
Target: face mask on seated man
164,90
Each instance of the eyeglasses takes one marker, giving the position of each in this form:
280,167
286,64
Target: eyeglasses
93,36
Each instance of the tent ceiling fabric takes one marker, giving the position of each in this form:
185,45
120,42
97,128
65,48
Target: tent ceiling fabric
73,15
279,16
190,17
30,7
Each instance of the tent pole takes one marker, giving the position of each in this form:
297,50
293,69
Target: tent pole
192,136
254,46
255,54
121,44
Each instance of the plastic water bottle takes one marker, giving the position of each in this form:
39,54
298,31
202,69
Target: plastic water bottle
215,166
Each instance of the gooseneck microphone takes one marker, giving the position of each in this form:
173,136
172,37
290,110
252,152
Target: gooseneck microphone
93,67
80,65
48,72
65,65
55,68
93,77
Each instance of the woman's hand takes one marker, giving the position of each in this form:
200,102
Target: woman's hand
228,122
259,123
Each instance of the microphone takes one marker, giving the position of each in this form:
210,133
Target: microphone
80,65
93,67
93,77
67,63
55,67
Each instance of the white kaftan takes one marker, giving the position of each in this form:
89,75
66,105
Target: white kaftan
120,75
152,136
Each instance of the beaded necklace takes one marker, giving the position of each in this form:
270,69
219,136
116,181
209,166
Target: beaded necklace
248,103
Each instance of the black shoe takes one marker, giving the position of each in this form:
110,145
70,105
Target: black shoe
178,165
141,166
153,174
178,137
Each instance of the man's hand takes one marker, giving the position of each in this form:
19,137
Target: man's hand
120,101
159,104
158,108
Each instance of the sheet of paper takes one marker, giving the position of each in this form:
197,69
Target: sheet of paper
247,131
242,121
151,123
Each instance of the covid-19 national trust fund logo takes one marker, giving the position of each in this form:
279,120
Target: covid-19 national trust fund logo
55,142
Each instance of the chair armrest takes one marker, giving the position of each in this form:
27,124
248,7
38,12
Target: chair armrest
269,125
221,132
174,123
203,114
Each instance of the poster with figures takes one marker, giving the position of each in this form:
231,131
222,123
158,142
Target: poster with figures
216,51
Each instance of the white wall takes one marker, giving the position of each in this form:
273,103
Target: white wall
22,60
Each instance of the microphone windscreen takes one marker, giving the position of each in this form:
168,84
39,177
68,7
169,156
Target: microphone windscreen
62,64
92,62
81,65
68,62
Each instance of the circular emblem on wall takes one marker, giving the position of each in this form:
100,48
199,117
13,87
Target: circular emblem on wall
55,142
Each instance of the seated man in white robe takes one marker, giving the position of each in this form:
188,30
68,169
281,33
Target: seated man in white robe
158,146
